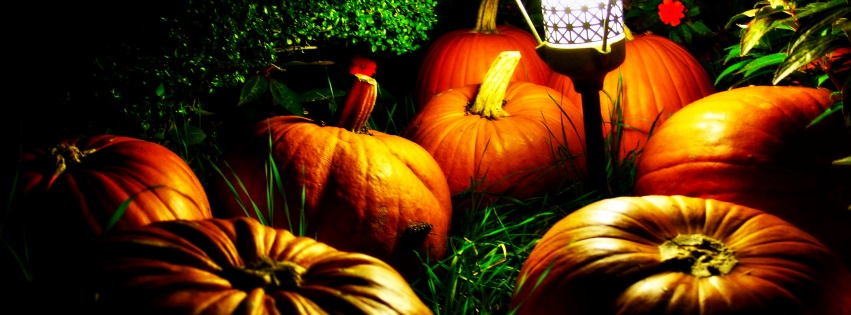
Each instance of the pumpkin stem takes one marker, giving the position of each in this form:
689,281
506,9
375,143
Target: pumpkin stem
486,22
265,273
415,234
491,96
66,153
359,104
698,255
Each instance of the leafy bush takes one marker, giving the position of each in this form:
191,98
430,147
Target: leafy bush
159,71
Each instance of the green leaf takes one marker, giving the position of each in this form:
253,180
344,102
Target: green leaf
161,89
193,135
820,24
731,69
830,111
321,95
733,52
843,161
763,62
756,29
699,28
805,53
252,90
285,97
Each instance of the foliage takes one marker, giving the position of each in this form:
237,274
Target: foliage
646,16
789,43
160,72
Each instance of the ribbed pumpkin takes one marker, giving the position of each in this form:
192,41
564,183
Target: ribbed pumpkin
506,138
679,255
751,146
658,76
77,185
360,190
70,194
461,57
239,266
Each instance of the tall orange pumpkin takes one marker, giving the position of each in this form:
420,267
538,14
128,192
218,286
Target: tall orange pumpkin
658,76
513,139
362,190
751,146
461,57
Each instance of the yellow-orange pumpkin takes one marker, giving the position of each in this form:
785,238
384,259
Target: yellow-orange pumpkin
751,146
359,190
659,77
462,57
657,255
503,138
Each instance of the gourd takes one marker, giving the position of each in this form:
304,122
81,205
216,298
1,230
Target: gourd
679,255
355,189
502,138
462,57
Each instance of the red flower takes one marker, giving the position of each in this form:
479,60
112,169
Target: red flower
670,12
362,65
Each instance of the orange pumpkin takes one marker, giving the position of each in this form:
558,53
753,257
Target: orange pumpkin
679,255
362,190
513,139
239,266
658,78
751,146
462,57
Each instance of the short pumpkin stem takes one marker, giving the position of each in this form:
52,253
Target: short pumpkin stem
486,22
265,273
67,153
491,96
359,104
415,234
698,255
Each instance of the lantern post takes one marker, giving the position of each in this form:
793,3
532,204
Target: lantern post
584,40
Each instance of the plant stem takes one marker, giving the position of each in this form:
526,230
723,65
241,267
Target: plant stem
359,104
486,22
491,95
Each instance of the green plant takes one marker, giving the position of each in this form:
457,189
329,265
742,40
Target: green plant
678,20
173,60
790,43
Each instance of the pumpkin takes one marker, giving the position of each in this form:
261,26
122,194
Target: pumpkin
462,57
80,183
751,146
679,255
80,189
512,140
239,266
657,78
359,190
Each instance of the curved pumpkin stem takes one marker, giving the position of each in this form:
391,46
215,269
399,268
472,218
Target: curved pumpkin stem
698,255
491,95
359,104
66,153
486,22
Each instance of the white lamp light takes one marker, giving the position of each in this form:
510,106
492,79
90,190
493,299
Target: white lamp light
585,39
